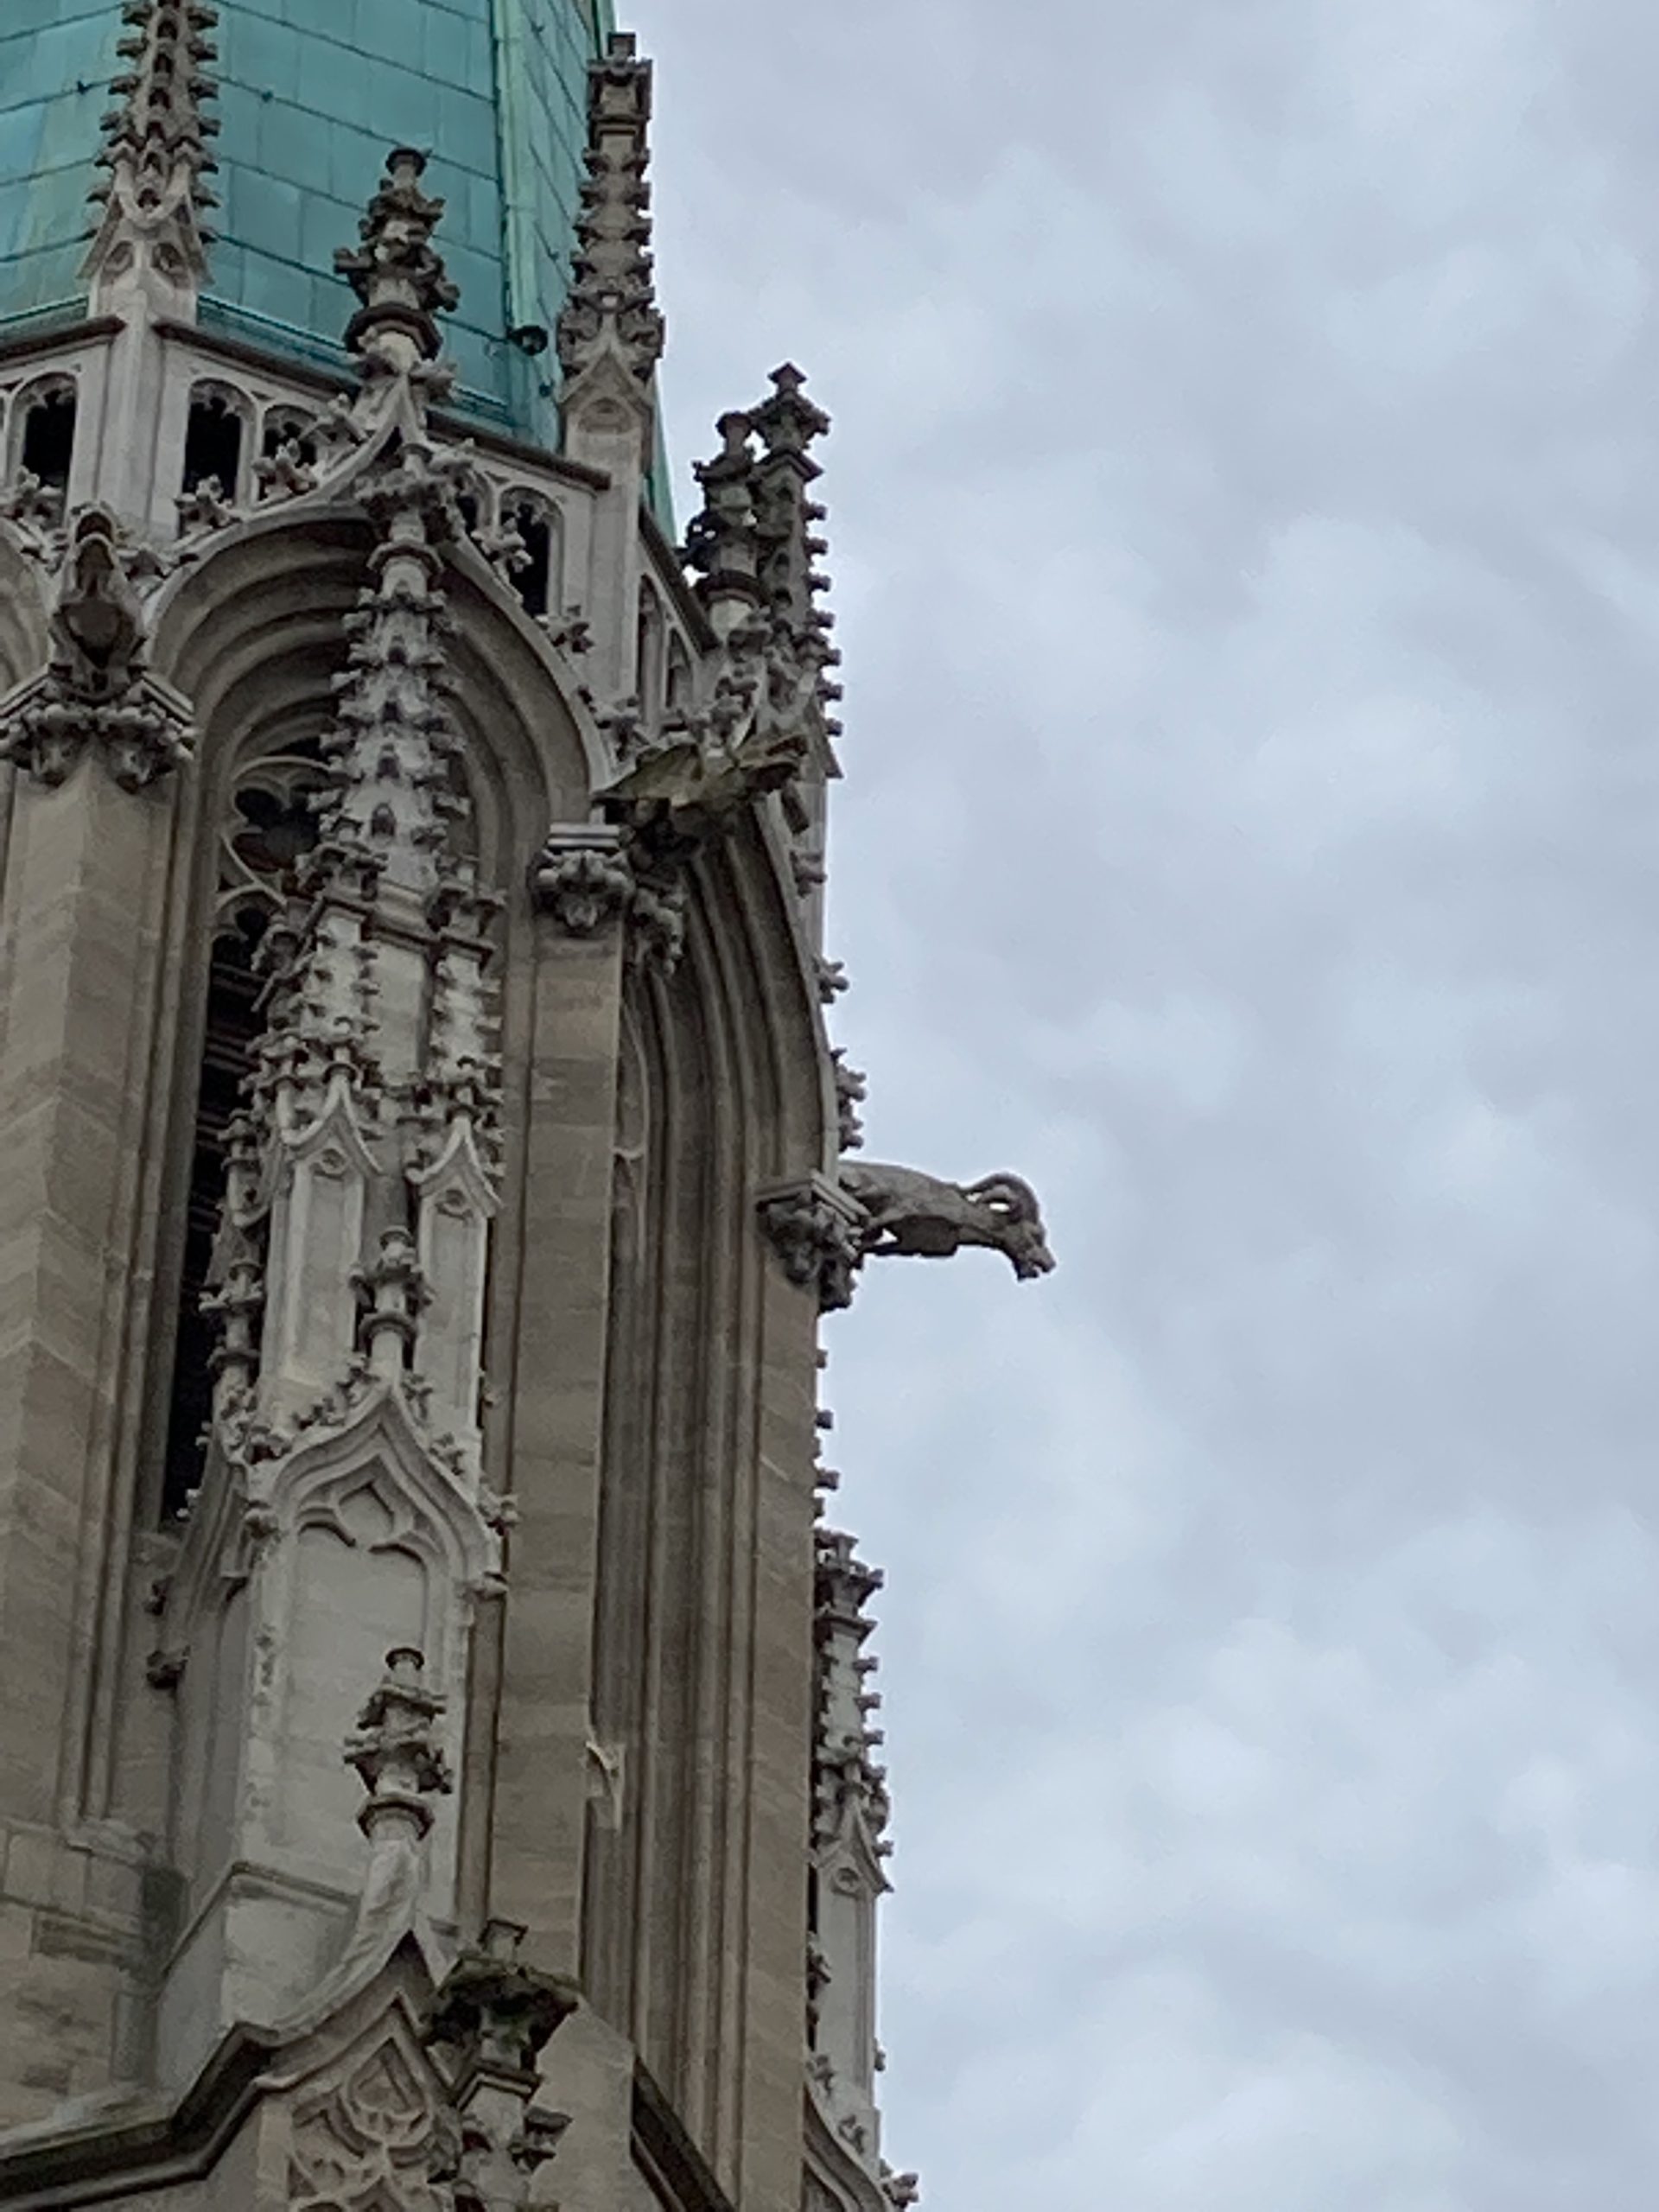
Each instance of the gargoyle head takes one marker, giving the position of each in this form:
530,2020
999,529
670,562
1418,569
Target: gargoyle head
1019,1222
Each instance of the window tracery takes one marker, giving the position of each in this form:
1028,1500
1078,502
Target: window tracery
43,439
269,825
537,524
215,441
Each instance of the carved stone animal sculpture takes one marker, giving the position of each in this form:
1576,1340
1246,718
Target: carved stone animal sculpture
910,1213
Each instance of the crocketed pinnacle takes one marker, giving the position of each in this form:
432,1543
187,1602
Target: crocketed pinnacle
611,312
845,1774
753,546
154,146
396,272
722,541
787,422
392,739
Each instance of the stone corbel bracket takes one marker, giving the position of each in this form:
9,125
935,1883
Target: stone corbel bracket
815,1228
823,1229
594,876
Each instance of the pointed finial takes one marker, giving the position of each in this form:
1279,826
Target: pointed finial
151,239
396,272
787,422
396,1748
721,541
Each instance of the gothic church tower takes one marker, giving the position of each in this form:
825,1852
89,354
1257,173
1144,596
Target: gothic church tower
435,1758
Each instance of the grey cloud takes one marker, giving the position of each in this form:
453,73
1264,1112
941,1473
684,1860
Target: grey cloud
1247,546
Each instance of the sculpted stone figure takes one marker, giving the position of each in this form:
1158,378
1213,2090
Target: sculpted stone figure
98,625
916,1215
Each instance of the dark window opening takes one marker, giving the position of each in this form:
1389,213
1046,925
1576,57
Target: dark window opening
287,426
213,444
48,444
648,648
233,1025
276,826
533,581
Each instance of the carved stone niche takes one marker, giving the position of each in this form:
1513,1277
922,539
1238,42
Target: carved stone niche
298,1570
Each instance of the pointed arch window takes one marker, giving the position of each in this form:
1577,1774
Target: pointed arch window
215,441
43,435
271,825
650,645
537,580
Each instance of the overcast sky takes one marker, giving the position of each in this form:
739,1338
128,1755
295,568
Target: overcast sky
1246,538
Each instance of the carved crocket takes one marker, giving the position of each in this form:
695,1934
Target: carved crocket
912,1214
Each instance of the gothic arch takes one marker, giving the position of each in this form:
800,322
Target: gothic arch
254,635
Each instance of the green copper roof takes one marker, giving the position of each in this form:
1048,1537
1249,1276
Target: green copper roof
311,95
56,60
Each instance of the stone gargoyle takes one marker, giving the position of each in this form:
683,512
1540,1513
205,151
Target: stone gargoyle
908,1213
683,793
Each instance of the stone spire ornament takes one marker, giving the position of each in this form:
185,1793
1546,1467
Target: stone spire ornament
787,424
722,542
397,273
395,1749
752,549
850,1814
611,331
151,242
